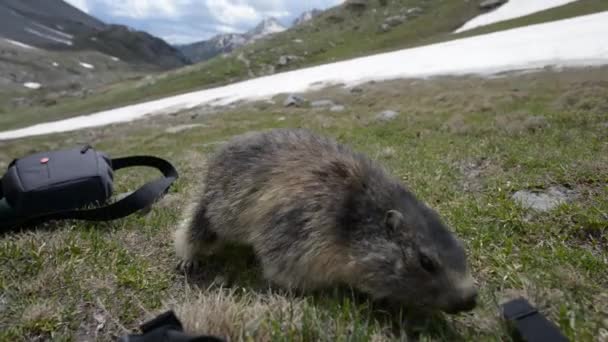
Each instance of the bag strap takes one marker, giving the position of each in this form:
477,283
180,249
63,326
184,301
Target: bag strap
166,327
139,199
530,324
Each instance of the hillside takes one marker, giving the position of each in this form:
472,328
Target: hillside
57,46
56,25
339,33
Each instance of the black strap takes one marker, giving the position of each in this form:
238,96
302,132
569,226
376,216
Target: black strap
530,325
139,199
166,327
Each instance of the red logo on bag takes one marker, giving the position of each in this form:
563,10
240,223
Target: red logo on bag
44,160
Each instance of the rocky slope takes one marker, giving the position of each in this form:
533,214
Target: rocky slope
225,43
53,46
56,25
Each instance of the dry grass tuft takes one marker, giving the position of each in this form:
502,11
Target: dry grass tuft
520,122
234,315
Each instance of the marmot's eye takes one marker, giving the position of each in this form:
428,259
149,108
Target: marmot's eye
426,263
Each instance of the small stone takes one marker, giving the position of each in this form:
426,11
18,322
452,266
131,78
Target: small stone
337,108
602,335
491,4
534,123
394,20
387,115
181,128
357,4
294,100
414,11
356,90
3,303
286,59
322,103
387,152
541,200
385,27
281,118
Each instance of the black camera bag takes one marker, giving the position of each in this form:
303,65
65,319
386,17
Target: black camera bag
73,183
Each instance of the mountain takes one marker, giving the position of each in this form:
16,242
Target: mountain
57,25
222,43
265,28
228,42
306,17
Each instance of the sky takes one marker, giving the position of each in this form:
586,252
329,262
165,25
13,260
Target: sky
185,21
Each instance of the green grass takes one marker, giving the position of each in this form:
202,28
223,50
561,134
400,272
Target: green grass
464,145
325,41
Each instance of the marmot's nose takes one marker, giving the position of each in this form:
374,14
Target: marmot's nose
467,303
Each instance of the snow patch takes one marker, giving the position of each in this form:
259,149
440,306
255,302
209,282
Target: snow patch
32,85
55,64
511,10
19,44
565,43
115,59
86,65
48,36
59,33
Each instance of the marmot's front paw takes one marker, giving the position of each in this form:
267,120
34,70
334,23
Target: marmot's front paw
188,266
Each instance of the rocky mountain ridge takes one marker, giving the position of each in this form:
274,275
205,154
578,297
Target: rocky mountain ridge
228,42
306,17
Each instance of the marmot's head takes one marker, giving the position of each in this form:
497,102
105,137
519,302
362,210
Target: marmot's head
402,251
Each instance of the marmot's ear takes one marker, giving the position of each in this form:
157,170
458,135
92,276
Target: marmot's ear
393,219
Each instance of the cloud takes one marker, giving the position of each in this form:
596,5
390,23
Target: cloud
80,4
183,21
145,8
231,13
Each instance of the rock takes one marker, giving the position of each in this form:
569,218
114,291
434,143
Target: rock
520,122
385,28
281,118
322,103
356,4
386,116
332,18
356,90
456,124
294,100
491,4
181,128
415,11
286,59
298,41
337,108
48,102
395,20
542,200
535,123
20,101
388,152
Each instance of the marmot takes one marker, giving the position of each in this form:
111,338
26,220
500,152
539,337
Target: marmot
317,214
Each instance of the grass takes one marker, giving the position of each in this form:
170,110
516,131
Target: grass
327,40
464,145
